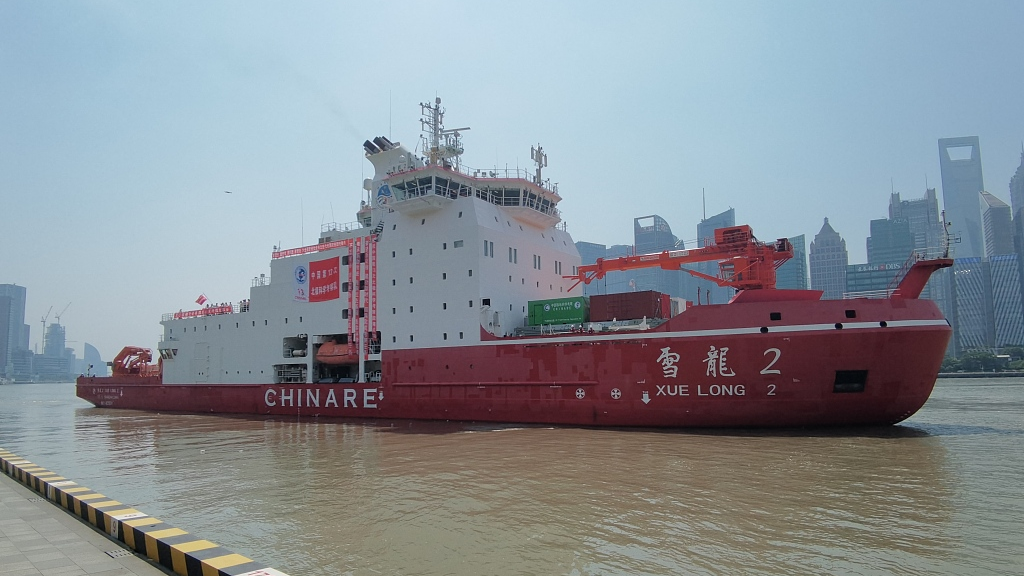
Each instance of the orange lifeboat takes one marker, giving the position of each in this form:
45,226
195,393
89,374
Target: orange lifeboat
335,354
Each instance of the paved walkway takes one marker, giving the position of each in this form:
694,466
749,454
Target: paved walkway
38,538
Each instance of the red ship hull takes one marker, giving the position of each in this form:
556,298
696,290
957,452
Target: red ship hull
821,363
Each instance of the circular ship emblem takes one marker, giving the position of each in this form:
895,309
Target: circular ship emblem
547,307
300,274
383,195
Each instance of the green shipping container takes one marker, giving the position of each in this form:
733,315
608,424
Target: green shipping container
573,310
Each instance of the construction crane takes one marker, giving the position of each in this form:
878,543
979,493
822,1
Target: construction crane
62,312
744,263
42,335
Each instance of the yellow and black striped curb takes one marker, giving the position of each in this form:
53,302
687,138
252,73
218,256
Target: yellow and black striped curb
170,547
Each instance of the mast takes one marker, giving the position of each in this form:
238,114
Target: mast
443,147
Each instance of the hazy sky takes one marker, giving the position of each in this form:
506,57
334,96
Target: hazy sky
123,123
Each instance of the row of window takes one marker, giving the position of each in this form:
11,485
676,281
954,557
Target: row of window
444,305
423,221
265,323
513,254
444,246
444,276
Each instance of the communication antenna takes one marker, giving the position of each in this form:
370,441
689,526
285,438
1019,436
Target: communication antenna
541,159
703,204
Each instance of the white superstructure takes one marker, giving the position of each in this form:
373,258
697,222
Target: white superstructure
441,255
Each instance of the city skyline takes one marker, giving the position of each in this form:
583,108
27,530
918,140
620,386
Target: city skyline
124,126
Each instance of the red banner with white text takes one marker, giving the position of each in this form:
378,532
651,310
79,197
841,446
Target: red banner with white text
324,280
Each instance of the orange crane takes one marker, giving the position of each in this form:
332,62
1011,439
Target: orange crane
744,263
134,360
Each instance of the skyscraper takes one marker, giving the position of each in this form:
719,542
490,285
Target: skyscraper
972,319
890,245
989,312
890,241
960,165
1007,308
13,330
1017,187
792,275
653,234
925,220
996,222
589,253
929,240
613,282
92,362
829,259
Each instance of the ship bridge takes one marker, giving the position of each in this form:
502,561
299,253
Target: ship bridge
412,185
433,187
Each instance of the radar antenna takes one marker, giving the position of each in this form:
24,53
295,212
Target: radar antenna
442,147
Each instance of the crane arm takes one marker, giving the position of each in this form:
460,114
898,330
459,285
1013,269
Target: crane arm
744,263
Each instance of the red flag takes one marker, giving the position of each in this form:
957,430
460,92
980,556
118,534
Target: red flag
201,300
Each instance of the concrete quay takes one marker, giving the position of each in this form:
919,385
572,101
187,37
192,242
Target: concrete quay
52,526
40,539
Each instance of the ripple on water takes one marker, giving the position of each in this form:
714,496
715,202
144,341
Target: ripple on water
936,495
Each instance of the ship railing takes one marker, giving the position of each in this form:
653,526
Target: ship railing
209,310
495,173
590,327
318,247
341,227
872,294
917,255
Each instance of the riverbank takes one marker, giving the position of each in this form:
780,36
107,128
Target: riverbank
1017,374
